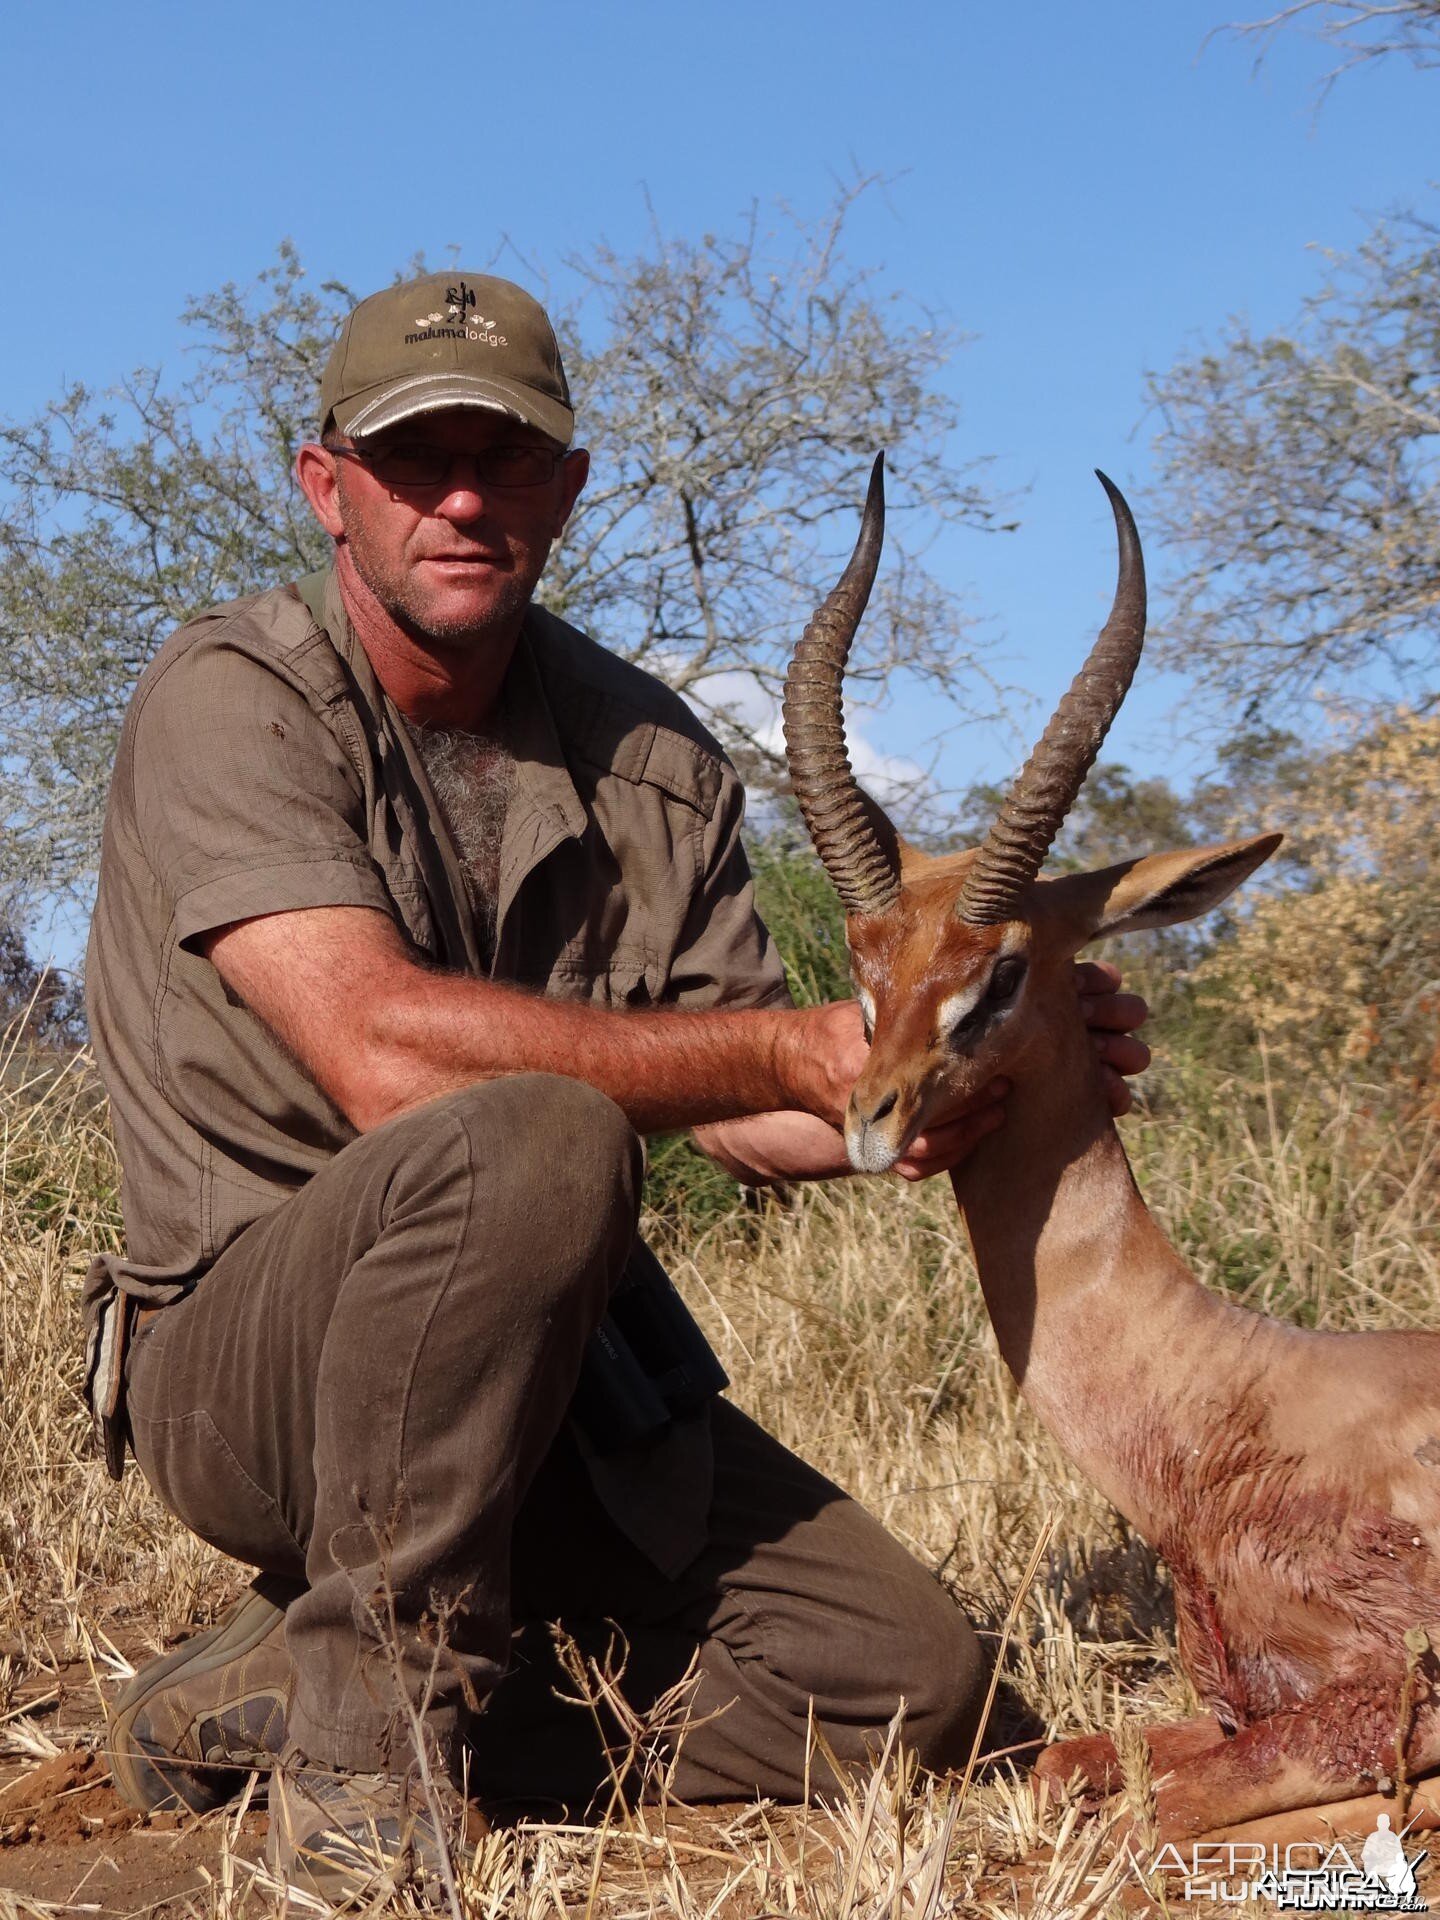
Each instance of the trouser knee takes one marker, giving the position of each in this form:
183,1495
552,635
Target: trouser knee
534,1174
943,1683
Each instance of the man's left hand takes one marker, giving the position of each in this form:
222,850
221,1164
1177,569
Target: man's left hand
1112,1017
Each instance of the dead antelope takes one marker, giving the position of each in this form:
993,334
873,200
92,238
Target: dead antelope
1290,1478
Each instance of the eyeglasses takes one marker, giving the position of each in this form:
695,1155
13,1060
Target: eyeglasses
421,463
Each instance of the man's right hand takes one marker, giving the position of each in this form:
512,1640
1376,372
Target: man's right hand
772,1147
820,1055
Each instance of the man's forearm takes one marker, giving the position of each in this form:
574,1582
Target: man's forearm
766,1148
664,1069
381,1032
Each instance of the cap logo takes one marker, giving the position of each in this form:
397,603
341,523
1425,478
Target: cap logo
455,322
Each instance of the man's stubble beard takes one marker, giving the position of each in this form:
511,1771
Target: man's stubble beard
401,599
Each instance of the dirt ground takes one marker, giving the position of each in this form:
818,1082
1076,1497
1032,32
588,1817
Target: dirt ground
68,1845
66,1841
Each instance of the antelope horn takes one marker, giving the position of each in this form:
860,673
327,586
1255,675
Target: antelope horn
862,870
1045,790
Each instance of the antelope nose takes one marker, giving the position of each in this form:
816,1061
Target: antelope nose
887,1105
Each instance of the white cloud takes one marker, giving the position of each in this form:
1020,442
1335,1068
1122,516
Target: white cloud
738,698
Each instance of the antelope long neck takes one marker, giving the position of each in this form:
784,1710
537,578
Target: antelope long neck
1095,1313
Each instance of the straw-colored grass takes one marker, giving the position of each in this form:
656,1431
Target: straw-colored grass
851,1324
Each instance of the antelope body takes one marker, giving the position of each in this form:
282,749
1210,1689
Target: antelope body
1290,1478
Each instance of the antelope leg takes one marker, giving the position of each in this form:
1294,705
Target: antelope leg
1297,1761
1094,1756
1352,1819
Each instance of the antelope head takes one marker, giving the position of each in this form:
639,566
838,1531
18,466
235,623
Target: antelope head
961,964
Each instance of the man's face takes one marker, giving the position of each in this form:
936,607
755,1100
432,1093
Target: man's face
457,559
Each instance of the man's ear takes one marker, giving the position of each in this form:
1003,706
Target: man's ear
1159,891
316,472
574,472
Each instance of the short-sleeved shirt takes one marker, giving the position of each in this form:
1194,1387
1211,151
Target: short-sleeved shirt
262,769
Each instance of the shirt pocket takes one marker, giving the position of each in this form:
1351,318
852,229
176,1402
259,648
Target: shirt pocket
412,906
625,980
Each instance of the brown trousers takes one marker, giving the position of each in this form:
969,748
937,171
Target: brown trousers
367,1394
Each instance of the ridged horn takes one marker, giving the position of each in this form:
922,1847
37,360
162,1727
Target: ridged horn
1045,790
862,870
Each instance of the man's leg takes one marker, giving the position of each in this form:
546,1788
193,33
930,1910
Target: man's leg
801,1603
817,1607
360,1390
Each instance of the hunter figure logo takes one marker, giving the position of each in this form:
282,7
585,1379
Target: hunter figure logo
455,321
1305,1877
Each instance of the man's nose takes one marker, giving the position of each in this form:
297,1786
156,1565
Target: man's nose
462,492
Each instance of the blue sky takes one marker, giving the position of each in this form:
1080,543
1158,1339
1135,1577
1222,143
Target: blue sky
1088,189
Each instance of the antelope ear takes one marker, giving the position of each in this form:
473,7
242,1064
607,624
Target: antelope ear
907,860
1158,891
1166,888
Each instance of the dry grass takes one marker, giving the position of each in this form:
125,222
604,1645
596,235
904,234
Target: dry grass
852,1326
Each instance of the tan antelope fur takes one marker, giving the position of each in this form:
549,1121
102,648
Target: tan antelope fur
1290,1478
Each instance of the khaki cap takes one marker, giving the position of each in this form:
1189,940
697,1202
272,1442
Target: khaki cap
447,340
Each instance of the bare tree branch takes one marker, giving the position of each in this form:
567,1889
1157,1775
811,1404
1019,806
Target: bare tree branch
1359,30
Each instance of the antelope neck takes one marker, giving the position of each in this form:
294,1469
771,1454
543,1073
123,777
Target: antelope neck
1088,1299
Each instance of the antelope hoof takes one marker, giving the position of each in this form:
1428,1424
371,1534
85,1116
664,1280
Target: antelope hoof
1091,1755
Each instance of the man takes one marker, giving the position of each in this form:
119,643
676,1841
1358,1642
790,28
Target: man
416,909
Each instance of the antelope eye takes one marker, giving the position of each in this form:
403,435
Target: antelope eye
1005,980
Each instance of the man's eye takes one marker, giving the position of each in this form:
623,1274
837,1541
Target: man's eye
410,463
517,466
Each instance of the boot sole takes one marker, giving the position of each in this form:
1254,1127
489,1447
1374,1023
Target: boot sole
141,1780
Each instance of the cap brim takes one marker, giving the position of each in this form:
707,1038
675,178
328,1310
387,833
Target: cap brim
386,406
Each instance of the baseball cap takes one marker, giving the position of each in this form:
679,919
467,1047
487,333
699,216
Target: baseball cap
446,340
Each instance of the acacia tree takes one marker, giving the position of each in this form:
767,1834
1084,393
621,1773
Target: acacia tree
125,512
1299,471
732,390
1299,486
741,388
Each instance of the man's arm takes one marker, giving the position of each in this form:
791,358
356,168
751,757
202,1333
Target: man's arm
380,1032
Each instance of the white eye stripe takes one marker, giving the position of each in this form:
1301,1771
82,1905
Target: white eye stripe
953,1010
867,1004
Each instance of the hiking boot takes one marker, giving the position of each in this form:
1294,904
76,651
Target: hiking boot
190,1725
351,1836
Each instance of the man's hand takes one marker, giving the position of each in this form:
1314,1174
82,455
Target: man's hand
773,1147
1112,1017
953,1141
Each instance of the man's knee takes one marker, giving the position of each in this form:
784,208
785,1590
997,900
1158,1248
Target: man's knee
534,1170
923,1655
565,1149
942,1678
537,1133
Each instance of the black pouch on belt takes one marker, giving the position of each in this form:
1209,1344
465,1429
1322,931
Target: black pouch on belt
646,1362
